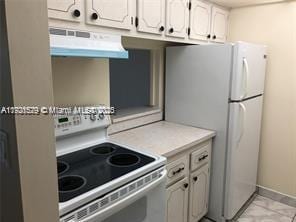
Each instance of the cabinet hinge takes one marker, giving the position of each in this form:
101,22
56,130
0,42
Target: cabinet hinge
136,21
188,31
189,5
132,20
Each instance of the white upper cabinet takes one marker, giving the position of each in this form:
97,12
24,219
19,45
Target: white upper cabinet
109,13
186,21
199,194
208,22
177,17
151,16
69,10
200,20
219,24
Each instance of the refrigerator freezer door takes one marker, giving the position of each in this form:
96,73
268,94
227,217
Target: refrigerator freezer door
243,151
248,71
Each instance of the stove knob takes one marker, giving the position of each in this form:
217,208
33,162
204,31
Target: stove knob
92,117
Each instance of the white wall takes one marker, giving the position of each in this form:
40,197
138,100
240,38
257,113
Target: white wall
275,26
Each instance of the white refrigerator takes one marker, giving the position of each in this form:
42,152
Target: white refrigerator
220,87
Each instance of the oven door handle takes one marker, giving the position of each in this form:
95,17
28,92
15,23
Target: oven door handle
110,210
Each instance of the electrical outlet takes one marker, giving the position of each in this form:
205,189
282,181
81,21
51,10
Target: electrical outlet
4,160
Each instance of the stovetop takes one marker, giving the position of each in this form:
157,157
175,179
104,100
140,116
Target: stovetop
84,170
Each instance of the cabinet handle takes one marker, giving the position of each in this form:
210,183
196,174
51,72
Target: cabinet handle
186,185
195,179
178,171
209,36
171,30
94,16
203,157
161,29
76,13
214,37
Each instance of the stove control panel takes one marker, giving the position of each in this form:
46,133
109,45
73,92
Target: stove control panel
66,121
75,122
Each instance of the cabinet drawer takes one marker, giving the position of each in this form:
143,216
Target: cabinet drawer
201,156
177,169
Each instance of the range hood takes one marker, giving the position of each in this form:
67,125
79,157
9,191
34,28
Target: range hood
74,43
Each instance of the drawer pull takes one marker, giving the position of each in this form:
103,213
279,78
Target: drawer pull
203,157
178,171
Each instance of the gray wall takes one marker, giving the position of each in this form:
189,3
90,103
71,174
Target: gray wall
130,80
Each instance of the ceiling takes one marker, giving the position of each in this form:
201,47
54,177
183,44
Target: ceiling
240,3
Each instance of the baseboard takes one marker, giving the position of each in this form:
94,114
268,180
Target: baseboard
276,196
243,209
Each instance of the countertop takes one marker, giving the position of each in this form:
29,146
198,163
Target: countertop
163,138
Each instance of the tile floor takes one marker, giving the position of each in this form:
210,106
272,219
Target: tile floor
266,210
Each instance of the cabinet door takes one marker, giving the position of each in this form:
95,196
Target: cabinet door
177,17
177,202
69,10
219,24
200,20
151,15
109,13
199,193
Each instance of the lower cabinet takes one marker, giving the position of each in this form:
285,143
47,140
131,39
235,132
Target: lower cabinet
177,201
199,194
188,184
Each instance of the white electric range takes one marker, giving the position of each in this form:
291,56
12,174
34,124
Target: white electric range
102,181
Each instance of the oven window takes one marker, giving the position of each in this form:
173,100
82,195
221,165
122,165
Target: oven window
136,212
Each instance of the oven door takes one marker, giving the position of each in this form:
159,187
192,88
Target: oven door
145,205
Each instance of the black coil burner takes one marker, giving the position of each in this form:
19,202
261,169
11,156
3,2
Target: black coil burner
62,167
86,169
71,183
124,160
102,150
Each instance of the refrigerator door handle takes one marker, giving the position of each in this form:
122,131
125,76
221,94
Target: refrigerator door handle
243,121
246,77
